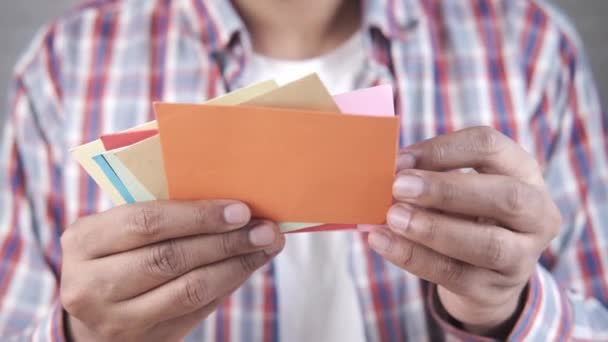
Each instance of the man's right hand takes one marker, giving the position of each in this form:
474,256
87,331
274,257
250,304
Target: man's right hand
152,271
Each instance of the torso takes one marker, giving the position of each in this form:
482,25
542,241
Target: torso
442,84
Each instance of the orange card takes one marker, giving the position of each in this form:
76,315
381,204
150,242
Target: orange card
288,165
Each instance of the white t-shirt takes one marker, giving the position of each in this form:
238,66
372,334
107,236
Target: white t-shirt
317,299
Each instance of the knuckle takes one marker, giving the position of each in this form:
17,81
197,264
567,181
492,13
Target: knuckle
447,192
73,300
487,140
531,163
194,292
450,270
202,213
425,225
517,197
67,239
74,236
526,269
494,253
408,257
525,256
107,289
166,259
80,237
554,221
520,273
438,153
228,244
110,330
250,263
145,220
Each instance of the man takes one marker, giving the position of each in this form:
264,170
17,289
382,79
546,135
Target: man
515,249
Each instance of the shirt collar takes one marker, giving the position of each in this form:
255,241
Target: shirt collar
218,21
394,18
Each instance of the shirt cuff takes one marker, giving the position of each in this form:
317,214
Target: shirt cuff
546,316
51,327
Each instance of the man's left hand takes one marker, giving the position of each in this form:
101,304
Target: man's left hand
477,235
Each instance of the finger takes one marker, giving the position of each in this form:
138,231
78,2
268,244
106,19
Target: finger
511,202
131,226
150,266
482,148
481,245
405,161
177,328
186,323
195,289
457,276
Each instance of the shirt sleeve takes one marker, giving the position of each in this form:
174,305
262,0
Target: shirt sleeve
31,202
567,296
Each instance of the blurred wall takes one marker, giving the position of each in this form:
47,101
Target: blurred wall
589,16
19,20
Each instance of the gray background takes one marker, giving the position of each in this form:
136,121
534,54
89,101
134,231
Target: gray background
19,20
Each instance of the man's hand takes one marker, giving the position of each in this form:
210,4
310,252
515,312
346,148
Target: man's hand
477,235
152,271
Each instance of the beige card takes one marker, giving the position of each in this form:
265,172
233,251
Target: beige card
145,161
307,93
84,155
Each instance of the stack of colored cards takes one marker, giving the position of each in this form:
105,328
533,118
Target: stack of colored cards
295,154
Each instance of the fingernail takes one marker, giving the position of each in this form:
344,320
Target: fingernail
408,186
237,213
379,241
406,161
262,235
399,218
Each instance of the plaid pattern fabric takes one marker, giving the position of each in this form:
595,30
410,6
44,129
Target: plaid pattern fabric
515,65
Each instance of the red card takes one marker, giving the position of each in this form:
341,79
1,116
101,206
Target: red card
122,139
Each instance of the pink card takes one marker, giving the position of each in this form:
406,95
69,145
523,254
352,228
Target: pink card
374,101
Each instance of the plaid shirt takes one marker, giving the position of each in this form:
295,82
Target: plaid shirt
515,65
